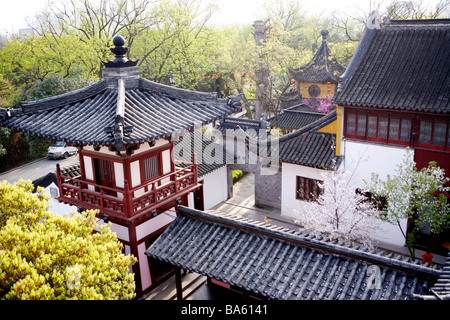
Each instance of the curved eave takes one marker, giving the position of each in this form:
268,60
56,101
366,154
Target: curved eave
154,111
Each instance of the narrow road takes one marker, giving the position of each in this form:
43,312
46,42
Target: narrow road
36,169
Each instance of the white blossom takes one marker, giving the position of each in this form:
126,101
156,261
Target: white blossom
340,212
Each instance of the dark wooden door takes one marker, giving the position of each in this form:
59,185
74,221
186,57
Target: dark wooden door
104,175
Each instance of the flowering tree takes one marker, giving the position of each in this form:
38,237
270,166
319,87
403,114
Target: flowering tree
416,195
45,256
321,105
340,212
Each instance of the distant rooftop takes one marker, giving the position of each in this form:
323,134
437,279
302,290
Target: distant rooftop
323,66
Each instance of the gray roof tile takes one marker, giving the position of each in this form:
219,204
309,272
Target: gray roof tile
295,118
441,289
322,67
154,111
404,65
281,263
308,147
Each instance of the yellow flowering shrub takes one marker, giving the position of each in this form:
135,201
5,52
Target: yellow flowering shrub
46,256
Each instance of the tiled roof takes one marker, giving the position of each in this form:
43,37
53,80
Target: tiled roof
45,181
290,99
441,289
207,161
154,111
284,264
323,67
404,65
240,127
310,148
295,118
244,124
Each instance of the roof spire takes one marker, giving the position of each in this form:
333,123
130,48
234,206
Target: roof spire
120,52
324,34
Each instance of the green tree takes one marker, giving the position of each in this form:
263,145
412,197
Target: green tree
51,85
94,24
46,256
23,62
7,92
4,134
416,195
55,84
415,9
179,48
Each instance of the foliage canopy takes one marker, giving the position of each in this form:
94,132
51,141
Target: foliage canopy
46,256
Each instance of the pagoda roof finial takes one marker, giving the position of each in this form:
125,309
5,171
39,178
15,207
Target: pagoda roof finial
120,51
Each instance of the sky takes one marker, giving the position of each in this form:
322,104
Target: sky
14,12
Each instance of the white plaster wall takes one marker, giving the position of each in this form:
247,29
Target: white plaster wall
388,233
214,187
191,203
145,229
88,170
144,147
289,173
136,178
166,166
364,158
55,206
118,171
152,225
166,161
120,231
135,173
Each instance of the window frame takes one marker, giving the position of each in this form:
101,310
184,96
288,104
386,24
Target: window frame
152,153
363,132
314,189
314,91
143,166
430,145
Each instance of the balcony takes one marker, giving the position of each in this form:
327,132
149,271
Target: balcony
125,203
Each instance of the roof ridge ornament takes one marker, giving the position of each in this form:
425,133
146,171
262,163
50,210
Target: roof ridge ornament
324,34
120,51
373,21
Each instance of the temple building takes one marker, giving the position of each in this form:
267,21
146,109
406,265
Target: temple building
395,95
319,78
125,128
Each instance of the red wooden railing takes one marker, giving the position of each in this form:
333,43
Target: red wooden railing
125,201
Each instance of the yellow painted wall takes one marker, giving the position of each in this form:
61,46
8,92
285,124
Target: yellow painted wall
335,128
325,89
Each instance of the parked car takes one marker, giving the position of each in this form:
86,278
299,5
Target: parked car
59,149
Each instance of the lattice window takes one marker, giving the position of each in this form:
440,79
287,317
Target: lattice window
151,167
308,189
378,127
